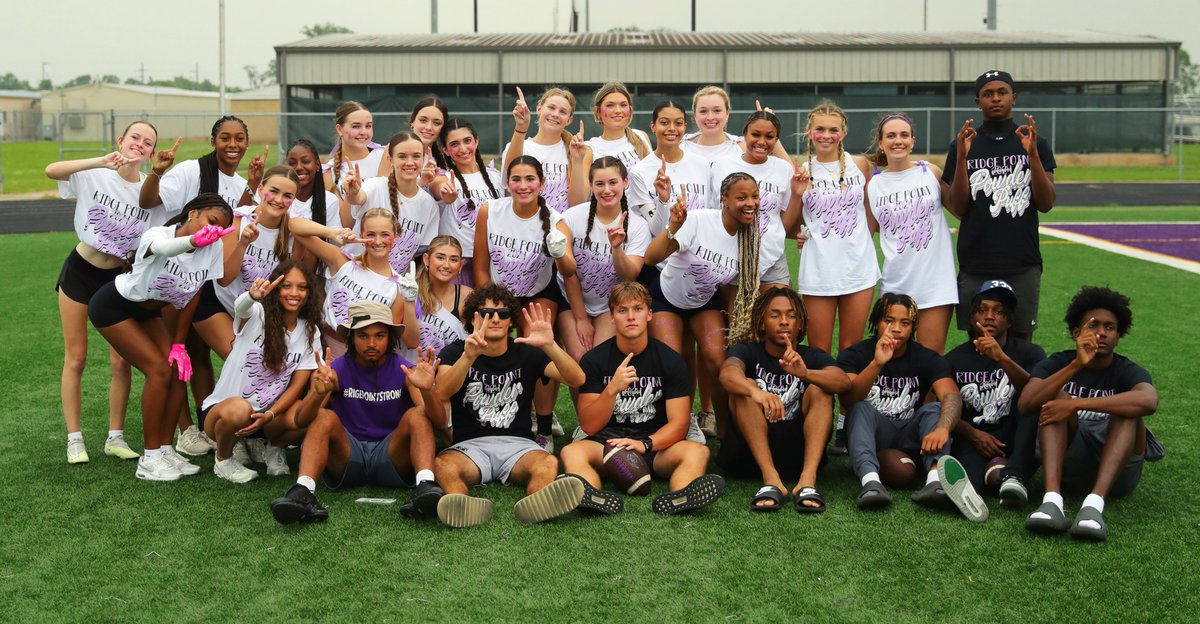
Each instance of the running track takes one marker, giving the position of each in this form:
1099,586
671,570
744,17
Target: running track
1174,244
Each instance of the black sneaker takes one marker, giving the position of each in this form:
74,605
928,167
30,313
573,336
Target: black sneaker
838,447
298,505
601,502
424,501
703,491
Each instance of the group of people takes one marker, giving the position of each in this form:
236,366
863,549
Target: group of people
382,302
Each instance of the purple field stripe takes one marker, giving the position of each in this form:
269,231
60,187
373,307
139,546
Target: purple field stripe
1181,240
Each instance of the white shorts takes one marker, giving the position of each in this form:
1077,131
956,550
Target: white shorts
495,456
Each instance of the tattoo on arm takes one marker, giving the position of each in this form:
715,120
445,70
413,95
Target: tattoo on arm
951,410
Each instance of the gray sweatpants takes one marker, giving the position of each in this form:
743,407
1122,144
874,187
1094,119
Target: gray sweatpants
868,431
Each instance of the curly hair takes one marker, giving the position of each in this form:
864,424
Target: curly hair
274,328
887,300
496,292
1099,298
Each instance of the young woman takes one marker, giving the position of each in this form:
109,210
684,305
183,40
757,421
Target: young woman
439,296
416,211
428,118
661,178
109,223
776,180
905,202
609,245
612,107
355,128
277,339
707,252
470,185
564,185
172,262
368,275
313,201
710,107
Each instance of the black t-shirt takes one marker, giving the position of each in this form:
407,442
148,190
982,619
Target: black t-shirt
640,409
903,382
1120,376
764,369
999,232
987,393
497,395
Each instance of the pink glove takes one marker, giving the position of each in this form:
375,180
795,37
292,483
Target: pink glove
179,355
209,234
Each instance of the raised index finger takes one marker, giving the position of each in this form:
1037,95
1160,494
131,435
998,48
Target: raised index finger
757,105
176,146
625,362
520,95
275,283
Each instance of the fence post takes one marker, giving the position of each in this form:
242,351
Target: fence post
1179,136
1053,130
928,133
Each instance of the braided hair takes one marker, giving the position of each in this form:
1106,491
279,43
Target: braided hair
202,201
318,191
274,329
887,300
609,88
759,314
210,173
827,107
339,118
543,209
457,123
393,184
748,235
439,158
605,162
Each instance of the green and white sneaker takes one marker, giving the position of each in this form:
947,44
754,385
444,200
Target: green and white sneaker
119,448
77,452
958,487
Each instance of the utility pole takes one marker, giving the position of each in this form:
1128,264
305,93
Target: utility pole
222,59
991,15
433,16
142,73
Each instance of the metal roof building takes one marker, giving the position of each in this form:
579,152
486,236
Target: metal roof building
878,71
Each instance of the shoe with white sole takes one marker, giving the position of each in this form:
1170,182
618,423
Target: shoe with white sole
233,470
693,433
556,427
707,421
156,469
276,461
953,479
77,452
119,448
240,452
192,441
185,467
257,449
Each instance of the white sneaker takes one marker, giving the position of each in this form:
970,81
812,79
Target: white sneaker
240,453
232,470
256,448
194,442
693,433
276,462
119,448
545,441
708,423
156,469
77,452
181,464
556,427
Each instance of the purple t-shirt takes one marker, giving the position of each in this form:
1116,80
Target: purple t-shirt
370,401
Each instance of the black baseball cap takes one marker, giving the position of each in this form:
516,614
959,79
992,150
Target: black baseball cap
998,290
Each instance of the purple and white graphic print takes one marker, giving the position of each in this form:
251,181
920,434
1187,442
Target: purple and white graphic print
834,210
909,221
262,386
115,234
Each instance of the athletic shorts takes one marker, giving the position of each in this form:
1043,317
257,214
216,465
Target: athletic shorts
659,302
209,304
1082,460
369,464
1027,285
79,279
108,307
778,273
550,293
495,456
785,439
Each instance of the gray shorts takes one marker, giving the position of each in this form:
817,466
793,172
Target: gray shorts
495,456
369,464
1082,460
778,273
1027,285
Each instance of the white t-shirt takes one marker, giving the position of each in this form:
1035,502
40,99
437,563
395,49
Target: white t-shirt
554,166
839,257
303,209
712,153
708,258
621,148
355,282
918,259
440,328
593,260
774,179
181,185
108,217
517,248
458,219
258,260
418,216
690,172
368,166
174,279
244,373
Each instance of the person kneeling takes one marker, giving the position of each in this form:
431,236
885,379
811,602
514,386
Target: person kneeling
368,417
637,396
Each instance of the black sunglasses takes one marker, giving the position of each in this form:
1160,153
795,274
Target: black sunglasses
500,313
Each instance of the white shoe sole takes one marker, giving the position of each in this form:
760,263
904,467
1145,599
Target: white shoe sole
146,475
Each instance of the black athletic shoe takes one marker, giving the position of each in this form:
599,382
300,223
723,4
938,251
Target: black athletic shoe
298,505
424,501
703,491
597,501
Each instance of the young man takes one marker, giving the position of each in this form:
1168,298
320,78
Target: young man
1091,404
368,417
890,374
991,369
489,379
637,395
781,396
1001,176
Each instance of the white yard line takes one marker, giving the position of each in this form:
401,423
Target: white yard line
1124,250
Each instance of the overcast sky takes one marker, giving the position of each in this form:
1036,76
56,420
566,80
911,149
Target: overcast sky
170,38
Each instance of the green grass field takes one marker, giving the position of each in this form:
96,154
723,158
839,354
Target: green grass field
91,543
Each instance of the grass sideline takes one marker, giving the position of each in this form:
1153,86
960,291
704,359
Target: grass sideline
90,543
24,163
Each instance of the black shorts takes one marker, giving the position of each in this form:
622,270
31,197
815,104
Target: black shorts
209,304
550,293
79,279
108,307
786,441
659,303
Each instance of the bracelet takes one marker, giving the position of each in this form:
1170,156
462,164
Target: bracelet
155,174
515,131
670,233
271,412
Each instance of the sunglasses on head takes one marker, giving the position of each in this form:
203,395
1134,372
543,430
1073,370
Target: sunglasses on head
500,313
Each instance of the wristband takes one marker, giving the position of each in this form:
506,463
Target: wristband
649,444
515,131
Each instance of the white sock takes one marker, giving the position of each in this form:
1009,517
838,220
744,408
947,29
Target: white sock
869,477
153,453
307,482
931,477
1095,501
424,475
168,450
1050,497
116,433
74,435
